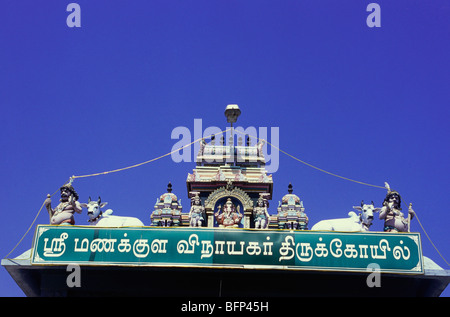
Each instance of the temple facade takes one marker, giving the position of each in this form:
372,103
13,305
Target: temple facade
226,243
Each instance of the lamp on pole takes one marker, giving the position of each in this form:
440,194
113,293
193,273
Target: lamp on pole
232,112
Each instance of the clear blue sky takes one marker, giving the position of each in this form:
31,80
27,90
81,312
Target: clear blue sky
367,103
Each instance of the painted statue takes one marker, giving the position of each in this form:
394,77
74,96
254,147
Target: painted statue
63,214
354,222
260,214
196,212
259,147
229,216
104,219
394,220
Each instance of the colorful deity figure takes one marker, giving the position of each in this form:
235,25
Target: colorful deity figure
63,214
394,220
229,216
260,214
196,214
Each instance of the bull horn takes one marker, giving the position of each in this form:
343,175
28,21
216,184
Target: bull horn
99,200
373,203
362,203
89,200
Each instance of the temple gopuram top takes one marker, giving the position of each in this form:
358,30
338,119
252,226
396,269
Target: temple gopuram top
226,170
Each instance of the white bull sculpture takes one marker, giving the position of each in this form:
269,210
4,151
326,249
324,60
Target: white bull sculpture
105,219
354,222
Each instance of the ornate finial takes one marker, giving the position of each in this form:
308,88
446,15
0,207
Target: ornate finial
290,188
169,187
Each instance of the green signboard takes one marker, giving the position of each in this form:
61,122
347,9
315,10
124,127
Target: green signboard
242,248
